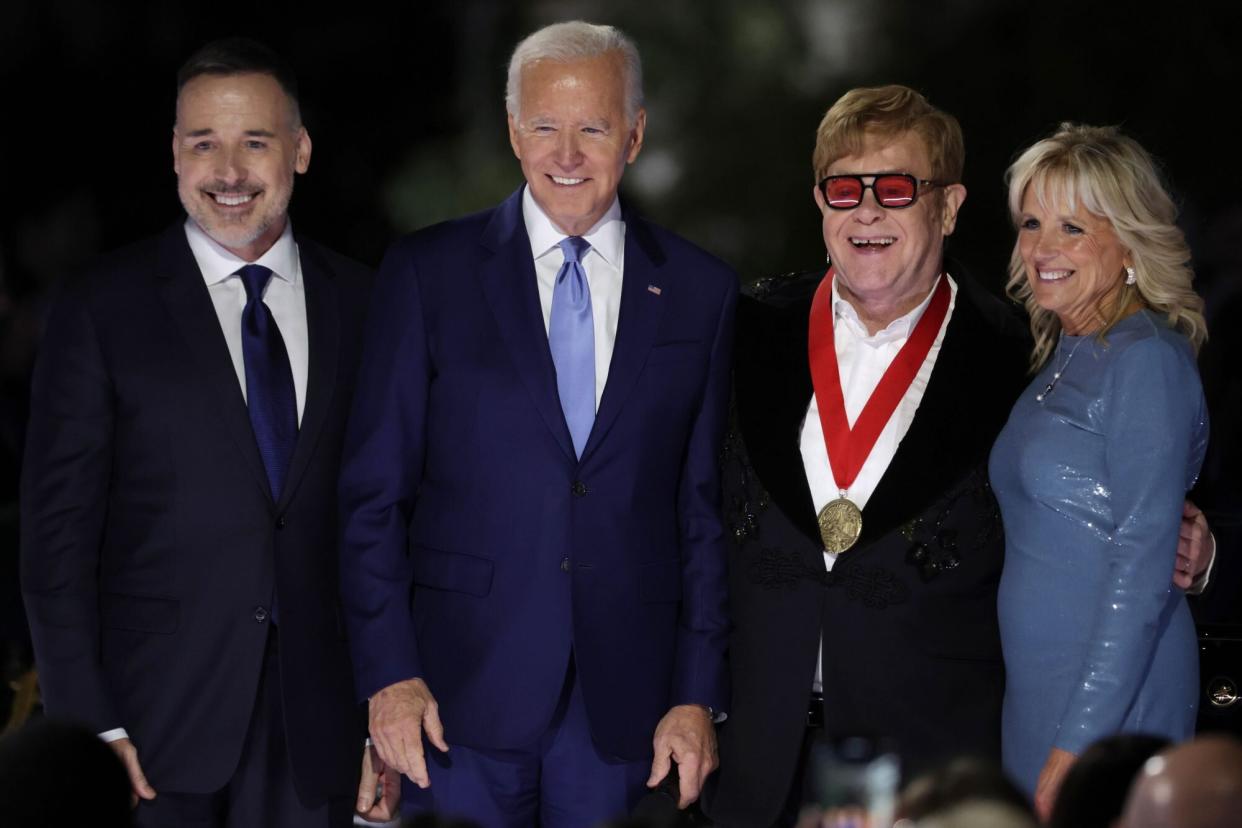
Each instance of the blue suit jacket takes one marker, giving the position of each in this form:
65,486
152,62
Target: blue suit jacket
150,541
478,551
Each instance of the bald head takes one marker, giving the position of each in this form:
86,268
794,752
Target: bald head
1194,785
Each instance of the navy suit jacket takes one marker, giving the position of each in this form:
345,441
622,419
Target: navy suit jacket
151,547
478,550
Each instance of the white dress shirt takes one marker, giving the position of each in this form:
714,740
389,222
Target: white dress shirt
862,359
285,296
603,264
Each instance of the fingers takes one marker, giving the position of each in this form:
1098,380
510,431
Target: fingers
139,787
368,783
398,715
386,808
379,791
660,765
415,762
433,727
685,735
690,777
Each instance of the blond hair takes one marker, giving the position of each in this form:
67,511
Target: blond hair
1110,176
888,112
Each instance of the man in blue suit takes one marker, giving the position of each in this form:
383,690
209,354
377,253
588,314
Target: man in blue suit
179,484
533,568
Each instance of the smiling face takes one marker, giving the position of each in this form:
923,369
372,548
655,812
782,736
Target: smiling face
571,136
1074,261
236,147
887,260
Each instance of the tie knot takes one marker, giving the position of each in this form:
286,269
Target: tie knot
254,277
574,248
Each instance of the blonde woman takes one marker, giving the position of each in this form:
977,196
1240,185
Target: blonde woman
1098,453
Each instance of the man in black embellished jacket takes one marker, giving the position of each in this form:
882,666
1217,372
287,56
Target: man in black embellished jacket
894,638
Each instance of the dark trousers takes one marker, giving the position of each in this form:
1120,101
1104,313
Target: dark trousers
560,781
261,791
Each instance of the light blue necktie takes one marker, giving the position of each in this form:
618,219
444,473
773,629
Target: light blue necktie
571,336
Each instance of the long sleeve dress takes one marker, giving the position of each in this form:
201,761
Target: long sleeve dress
1090,481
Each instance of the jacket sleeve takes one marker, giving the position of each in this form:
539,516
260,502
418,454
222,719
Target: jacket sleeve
64,501
700,671
380,474
1153,449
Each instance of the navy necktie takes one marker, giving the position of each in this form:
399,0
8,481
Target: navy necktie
269,380
571,338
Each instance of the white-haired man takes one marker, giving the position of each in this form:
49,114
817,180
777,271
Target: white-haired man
533,567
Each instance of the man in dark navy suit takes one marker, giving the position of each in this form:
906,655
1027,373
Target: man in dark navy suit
178,504
533,562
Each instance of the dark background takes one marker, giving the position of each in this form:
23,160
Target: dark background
405,109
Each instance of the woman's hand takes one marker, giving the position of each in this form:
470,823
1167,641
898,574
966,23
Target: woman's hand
1050,779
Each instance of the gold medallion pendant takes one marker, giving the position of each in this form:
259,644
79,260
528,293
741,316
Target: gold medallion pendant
840,523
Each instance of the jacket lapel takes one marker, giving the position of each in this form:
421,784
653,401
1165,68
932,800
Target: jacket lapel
637,323
323,332
184,293
939,448
772,380
507,277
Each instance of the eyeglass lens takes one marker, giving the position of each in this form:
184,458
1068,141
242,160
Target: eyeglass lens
845,191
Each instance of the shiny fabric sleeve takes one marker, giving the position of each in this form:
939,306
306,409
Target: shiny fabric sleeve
1153,418
381,469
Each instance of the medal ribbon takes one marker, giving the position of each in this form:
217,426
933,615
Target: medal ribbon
849,448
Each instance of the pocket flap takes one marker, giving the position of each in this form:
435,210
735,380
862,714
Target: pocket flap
452,571
139,613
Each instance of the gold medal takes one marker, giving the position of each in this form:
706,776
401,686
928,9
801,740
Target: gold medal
840,523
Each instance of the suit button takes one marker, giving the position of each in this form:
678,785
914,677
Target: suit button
564,564
260,614
579,489
280,522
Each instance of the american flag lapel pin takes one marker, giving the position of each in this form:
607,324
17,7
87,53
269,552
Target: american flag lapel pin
654,289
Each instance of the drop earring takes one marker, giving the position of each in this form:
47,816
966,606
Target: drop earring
1131,276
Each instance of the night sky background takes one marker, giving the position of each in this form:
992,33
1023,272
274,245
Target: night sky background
405,109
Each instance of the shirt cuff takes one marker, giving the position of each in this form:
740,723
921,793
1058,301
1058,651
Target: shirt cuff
113,735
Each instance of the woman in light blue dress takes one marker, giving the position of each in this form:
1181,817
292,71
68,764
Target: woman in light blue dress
1093,465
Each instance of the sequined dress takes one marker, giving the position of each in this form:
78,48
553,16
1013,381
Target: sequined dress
1090,482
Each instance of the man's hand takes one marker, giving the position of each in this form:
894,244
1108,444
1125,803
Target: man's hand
685,735
1050,779
399,716
1194,547
139,787
379,789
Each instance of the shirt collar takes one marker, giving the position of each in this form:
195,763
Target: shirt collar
217,264
899,328
606,237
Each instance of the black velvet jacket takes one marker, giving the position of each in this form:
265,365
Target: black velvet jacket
908,616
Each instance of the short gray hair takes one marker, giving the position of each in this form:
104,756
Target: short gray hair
577,40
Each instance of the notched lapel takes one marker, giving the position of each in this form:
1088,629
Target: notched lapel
638,320
184,293
323,331
507,278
